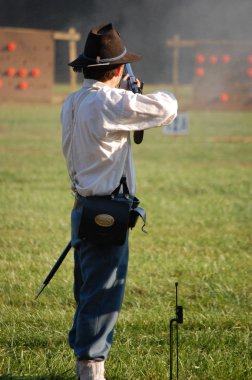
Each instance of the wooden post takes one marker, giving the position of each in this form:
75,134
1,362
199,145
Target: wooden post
175,63
73,37
72,56
176,43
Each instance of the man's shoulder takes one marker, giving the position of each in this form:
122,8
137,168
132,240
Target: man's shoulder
70,98
111,92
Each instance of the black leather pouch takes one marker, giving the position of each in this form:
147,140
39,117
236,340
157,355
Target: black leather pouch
105,220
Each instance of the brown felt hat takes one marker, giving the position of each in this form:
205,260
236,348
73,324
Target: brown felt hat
103,47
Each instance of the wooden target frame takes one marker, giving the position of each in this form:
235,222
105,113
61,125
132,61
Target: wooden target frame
27,61
222,73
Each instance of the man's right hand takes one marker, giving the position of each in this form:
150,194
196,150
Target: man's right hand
125,84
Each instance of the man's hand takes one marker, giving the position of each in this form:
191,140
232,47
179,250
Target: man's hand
125,83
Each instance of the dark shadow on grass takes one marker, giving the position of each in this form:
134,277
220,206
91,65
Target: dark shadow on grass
47,377
64,376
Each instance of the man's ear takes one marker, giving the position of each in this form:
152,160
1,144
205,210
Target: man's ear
119,70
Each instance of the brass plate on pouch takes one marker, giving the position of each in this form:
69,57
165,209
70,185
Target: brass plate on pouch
104,220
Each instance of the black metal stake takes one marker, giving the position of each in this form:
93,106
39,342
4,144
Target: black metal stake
54,269
178,320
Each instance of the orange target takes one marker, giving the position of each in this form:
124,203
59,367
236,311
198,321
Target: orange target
11,46
23,85
11,72
224,97
200,71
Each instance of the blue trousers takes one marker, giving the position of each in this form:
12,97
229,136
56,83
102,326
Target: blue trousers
99,284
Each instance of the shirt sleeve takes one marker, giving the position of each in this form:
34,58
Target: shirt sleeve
127,111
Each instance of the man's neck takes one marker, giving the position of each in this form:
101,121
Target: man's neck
113,82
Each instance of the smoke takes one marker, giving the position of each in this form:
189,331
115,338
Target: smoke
144,25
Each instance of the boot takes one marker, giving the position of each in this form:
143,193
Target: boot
90,370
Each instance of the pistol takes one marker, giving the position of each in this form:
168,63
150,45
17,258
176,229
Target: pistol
138,135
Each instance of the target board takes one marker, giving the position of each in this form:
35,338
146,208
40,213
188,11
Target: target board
26,65
223,77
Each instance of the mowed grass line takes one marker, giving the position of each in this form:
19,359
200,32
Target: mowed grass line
197,194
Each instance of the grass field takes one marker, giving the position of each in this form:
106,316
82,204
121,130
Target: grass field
197,191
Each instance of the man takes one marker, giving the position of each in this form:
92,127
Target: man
96,125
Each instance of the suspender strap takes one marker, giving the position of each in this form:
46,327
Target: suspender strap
123,184
76,101
135,211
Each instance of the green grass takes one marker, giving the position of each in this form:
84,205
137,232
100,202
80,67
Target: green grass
197,191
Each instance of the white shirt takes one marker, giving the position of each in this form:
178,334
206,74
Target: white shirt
96,125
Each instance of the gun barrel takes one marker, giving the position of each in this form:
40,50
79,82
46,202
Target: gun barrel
132,79
138,135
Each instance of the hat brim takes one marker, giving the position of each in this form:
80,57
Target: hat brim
82,62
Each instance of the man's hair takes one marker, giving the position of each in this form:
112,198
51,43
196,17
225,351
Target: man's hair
99,73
